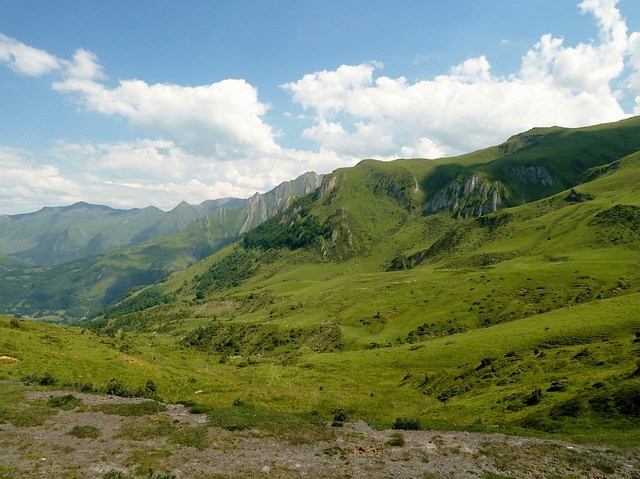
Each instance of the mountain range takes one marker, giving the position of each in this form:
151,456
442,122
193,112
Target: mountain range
493,291
73,260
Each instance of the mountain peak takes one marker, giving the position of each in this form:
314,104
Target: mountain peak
181,206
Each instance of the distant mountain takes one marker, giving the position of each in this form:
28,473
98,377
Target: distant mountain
78,288
56,235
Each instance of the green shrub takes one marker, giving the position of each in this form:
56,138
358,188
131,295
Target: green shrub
340,415
534,398
540,423
232,270
46,379
627,400
558,386
116,388
147,298
571,408
606,468
623,400
407,424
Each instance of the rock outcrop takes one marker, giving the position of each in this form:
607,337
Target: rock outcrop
532,174
465,197
261,207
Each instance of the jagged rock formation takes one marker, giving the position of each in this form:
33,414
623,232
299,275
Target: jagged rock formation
263,206
472,196
575,196
532,174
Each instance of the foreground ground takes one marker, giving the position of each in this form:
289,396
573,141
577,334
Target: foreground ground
74,435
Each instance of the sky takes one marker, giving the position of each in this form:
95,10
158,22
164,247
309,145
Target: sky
131,104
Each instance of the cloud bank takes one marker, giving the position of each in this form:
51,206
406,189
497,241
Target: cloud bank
469,107
213,140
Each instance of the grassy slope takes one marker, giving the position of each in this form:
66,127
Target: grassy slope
450,342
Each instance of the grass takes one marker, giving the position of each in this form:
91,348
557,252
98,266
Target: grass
27,416
191,437
396,440
291,427
66,402
85,432
145,460
149,429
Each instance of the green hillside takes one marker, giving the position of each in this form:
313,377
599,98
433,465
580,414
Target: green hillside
510,303
81,288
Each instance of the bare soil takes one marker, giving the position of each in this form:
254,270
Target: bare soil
125,444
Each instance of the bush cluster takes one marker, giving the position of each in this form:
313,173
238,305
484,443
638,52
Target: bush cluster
407,424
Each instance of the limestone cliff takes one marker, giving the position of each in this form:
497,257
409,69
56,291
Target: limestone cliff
468,196
263,206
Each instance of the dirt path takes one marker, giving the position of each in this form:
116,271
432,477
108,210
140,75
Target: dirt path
81,442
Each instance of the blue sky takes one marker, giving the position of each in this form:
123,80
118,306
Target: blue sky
136,103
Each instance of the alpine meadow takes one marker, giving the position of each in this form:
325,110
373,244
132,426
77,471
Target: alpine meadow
497,292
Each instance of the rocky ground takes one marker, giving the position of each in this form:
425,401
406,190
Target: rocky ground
80,441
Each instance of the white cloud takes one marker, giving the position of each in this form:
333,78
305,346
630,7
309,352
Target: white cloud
328,91
222,120
473,70
461,111
27,185
423,148
84,66
26,60
141,173
469,107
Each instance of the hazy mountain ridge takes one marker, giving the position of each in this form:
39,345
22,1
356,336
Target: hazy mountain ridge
54,235
83,286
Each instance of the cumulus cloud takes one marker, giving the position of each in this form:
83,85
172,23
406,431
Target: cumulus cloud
26,60
143,172
222,119
28,184
84,66
468,108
